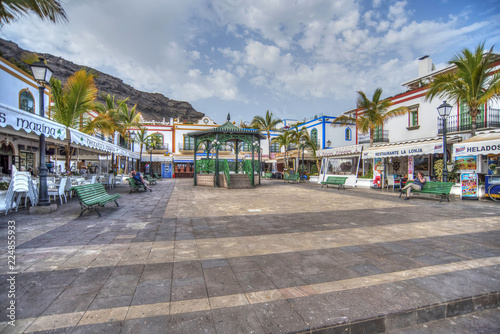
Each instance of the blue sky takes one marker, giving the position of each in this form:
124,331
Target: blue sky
296,58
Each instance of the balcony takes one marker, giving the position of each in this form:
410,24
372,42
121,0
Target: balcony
378,137
462,122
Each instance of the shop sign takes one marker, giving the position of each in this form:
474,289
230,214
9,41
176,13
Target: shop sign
23,120
479,148
344,150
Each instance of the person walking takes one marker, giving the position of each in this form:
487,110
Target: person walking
417,184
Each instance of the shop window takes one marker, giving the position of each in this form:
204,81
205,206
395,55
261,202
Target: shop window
26,101
348,134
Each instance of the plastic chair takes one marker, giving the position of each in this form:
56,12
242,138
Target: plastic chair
110,181
60,191
118,180
7,202
392,182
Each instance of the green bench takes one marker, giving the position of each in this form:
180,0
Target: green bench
134,186
293,178
268,175
335,181
441,189
92,196
150,179
156,176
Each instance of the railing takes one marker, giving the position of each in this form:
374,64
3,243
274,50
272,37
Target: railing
224,166
159,147
190,147
463,122
378,137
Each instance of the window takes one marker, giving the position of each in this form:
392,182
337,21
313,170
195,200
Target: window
314,135
188,143
275,147
26,101
159,139
378,134
465,120
348,134
413,117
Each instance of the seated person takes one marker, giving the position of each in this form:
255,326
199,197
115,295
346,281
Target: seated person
417,184
138,179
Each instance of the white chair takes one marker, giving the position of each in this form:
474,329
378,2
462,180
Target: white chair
392,182
7,201
118,180
59,191
92,180
110,181
21,183
67,189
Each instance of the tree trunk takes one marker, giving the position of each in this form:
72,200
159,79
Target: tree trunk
126,160
371,137
269,144
68,157
140,160
473,122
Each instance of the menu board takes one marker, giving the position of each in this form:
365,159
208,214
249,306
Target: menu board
467,163
469,186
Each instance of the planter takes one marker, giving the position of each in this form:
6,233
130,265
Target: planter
364,183
314,179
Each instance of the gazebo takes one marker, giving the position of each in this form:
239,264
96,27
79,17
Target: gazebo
211,166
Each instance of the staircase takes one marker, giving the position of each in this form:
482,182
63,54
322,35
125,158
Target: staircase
239,181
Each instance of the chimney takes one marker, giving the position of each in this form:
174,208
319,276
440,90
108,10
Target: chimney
425,66
171,121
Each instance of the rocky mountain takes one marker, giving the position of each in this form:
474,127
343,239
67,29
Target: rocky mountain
153,106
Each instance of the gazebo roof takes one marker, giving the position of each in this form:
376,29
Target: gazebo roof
227,128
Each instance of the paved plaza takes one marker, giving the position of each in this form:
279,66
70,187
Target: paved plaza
279,258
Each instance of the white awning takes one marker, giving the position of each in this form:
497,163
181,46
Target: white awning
344,151
487,143
28,122
83,139
156,158
429,146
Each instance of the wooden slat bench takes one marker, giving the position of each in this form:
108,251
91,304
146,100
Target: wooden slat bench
335,181
92,196
293,178
441,189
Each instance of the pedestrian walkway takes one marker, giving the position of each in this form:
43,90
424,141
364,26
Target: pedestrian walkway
279,258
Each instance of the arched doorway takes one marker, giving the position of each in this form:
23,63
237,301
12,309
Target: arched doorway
6,158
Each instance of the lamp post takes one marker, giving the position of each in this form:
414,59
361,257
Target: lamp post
303,144
132,139
42,74
444,111
151,147
328,143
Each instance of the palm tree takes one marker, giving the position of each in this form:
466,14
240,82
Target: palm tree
266,123
284,140
313,145
10,10
373,114
128,119
72,102
142,138
473,82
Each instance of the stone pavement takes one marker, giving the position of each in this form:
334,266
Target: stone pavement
280,258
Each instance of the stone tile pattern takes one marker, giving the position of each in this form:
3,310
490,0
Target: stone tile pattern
279,258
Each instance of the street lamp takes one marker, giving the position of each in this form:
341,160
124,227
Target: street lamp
132,139
303,144
444,111
151,148
328,143
42,74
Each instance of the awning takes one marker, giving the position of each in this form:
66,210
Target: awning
416,147
486,143
83,139
341,152
28,122
156,158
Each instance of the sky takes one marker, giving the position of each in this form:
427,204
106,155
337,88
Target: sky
295,58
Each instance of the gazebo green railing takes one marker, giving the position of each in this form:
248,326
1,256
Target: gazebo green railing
213,139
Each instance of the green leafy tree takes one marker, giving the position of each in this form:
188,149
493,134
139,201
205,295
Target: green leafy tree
11,10
128,119
266,124
284,140
72,101
143,139
473,82
373,113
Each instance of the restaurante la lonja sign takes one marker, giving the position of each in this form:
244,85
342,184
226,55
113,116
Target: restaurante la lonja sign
411,151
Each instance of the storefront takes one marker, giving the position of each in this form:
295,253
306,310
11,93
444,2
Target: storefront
19,138
341,161
406,159
479,154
